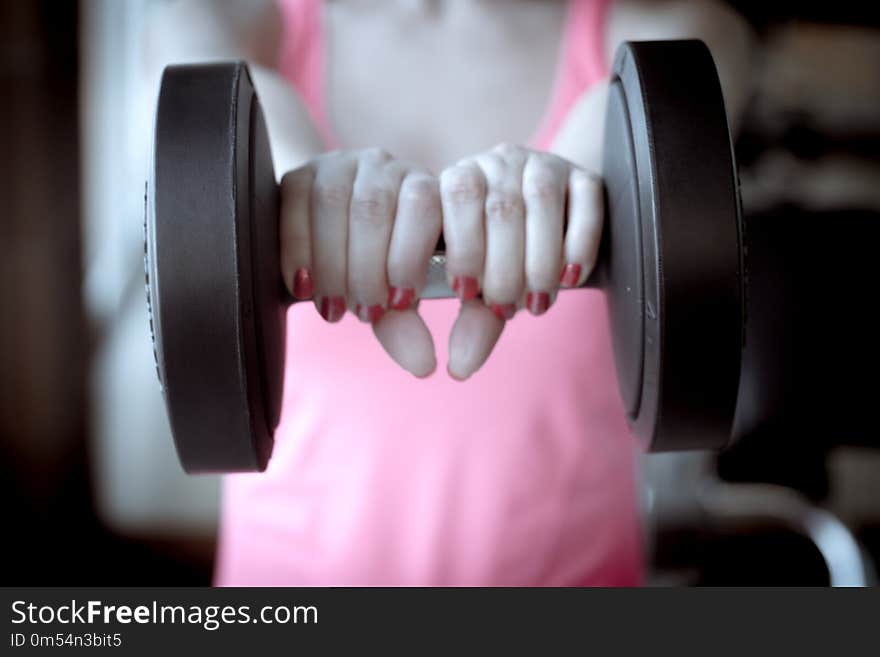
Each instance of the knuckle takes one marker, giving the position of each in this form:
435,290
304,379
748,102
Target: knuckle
462,185
504,206
581,181
420,192
372,205
295,181
376,154
542,185
506,149
332,194
544,158
294,240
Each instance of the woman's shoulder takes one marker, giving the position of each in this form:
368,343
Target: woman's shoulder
727,34
199,30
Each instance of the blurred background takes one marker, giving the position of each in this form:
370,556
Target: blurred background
94,492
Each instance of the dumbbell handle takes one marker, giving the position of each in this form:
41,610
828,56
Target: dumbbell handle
437,286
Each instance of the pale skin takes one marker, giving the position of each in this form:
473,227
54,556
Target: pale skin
434,142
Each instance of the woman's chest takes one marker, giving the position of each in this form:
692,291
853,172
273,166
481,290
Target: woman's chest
434,91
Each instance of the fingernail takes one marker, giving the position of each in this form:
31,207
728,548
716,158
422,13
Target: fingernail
369,313
332,308
537,302
399,298
465,287
504,310
570,275
302,284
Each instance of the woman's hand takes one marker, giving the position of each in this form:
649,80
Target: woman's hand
357,231
517,224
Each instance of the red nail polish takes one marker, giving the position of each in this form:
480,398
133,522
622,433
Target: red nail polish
504,310
570,275
399,298
302,284
332,308
465,287
537,302
369,313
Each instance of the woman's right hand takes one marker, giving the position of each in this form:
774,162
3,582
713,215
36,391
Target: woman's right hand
357,231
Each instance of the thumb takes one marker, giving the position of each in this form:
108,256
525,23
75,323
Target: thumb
406,338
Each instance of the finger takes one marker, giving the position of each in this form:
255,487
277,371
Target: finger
503,270
330,200
584,231
295,232
406,338
545,178
473,336
373,204
463,199
414,237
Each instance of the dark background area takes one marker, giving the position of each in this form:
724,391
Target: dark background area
54,534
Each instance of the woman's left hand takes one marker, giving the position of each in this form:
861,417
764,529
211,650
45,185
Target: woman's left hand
518,223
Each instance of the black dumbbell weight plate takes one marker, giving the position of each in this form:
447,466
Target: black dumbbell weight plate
215,292
674,280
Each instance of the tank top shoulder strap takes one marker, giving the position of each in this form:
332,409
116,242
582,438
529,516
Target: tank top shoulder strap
582,63
301,58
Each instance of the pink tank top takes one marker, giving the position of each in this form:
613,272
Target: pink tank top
523,475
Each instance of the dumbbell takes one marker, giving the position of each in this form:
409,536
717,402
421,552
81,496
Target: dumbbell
670,264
